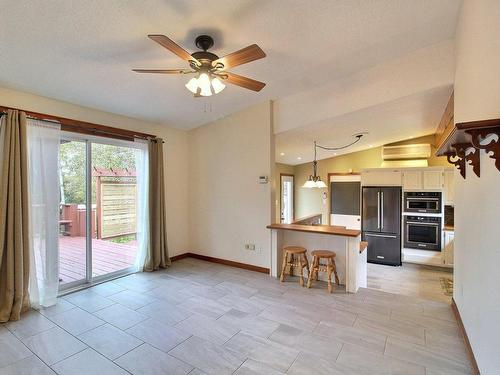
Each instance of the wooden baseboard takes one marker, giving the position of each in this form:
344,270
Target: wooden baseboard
468,347
230,263
179,257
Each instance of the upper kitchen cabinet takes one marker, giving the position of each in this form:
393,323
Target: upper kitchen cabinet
423,179
412,180
433,180
381,177
449,187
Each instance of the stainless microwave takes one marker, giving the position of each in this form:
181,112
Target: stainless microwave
422,202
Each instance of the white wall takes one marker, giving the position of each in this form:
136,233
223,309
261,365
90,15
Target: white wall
176,153
477,249
228,206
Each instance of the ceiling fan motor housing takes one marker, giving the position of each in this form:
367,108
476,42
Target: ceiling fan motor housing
204,42
204,56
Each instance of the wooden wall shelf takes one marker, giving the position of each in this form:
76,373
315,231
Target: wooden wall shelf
463,144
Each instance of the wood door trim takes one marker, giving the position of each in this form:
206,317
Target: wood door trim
468,347
281,202
330,192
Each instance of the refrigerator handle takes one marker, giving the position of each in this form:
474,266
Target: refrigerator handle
382,209
378,209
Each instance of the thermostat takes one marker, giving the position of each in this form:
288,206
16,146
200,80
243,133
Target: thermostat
263,179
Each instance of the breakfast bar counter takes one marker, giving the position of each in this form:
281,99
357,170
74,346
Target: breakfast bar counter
350,260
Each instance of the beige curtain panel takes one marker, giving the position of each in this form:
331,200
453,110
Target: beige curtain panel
157,253
14,236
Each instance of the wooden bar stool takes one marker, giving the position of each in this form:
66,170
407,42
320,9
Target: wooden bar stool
329,267
298,258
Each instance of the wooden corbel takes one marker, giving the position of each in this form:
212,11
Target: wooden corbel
492,148
458,162
471,158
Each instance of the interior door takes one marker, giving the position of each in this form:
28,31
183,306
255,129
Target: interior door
287,198
371,209
345,201
390,205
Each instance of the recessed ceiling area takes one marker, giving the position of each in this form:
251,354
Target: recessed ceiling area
83,52
409,117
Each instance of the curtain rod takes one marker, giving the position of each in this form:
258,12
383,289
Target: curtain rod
83,126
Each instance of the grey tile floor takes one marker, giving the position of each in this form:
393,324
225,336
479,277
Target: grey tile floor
410,279
204,318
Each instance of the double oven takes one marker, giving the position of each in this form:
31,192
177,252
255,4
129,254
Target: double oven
422,220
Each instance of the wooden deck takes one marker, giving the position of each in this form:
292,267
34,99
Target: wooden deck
107,257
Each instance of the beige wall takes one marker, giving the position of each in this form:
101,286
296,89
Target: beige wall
477,200
309,201
176,153
228,206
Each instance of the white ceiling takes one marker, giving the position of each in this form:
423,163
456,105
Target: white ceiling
82,52
392,101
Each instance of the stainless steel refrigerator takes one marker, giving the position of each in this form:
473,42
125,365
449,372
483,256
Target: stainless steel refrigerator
381,224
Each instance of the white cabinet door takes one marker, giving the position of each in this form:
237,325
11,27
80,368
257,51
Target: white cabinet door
381,177
433,180
449,187
412,180
449,237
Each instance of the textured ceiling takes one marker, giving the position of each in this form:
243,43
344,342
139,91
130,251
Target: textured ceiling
82,51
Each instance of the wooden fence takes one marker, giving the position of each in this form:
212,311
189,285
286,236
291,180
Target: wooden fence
116,198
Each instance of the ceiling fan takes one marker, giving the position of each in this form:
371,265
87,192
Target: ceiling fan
210,69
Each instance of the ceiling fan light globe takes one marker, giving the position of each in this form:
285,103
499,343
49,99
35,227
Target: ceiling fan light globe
204,85
217,85
205,92
192,85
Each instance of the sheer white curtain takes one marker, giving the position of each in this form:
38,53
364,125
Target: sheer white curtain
141,164
43,176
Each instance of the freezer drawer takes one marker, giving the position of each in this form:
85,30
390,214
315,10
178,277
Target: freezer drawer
383,248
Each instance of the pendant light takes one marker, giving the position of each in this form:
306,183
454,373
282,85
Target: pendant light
314,180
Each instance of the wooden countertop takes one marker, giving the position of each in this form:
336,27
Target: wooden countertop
362,246
320,229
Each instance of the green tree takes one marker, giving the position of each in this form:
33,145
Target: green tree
72,164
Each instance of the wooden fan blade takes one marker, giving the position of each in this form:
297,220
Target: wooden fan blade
243,56
245,82
173,47
162,71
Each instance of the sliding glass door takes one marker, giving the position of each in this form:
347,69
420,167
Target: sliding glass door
115,201
73,244
99,209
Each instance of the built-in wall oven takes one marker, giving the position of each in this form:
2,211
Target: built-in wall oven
422,232
422,202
